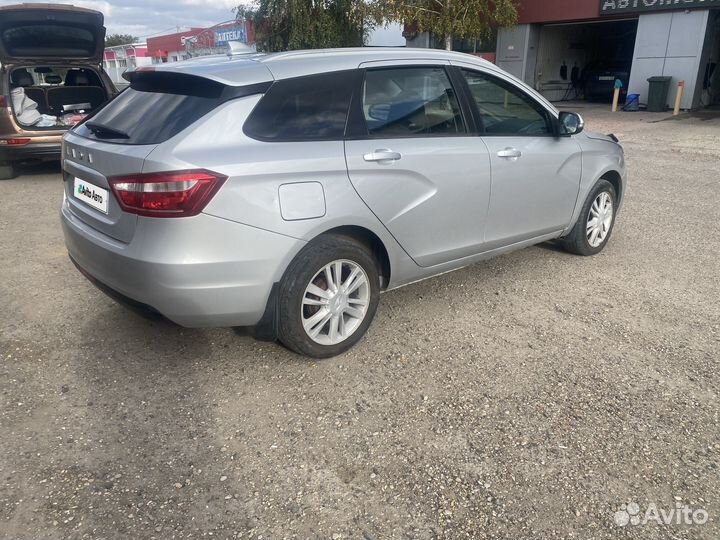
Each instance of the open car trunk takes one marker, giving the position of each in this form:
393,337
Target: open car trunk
51,34
46,98
51,55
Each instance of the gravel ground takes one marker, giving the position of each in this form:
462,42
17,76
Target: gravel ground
526,397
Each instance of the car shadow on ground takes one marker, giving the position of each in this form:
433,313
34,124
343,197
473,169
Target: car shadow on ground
552,246
163,342
37,168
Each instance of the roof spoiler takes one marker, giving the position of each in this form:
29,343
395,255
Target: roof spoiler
128,74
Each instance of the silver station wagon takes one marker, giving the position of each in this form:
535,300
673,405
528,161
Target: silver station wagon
286,191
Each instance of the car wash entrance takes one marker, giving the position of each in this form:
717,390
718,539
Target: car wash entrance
710,64
577,49
583,60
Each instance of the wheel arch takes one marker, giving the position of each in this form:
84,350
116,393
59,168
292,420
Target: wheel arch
609,174
373,242
615,179
267,328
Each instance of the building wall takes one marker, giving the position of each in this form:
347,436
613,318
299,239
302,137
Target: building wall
419,39
163,47
203,41
517,49
540,11
670,44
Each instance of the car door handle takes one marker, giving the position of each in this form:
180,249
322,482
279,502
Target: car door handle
382,155
512,153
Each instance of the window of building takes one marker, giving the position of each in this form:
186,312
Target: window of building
413,101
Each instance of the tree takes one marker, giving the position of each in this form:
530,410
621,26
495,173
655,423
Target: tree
449,18
308,24
119,39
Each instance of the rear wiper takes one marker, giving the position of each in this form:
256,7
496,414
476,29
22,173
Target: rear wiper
106,132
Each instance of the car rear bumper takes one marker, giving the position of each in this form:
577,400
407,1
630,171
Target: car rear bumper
42,151
223,280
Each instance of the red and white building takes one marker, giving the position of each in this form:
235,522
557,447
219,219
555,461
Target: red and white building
174,47
198,41
118,59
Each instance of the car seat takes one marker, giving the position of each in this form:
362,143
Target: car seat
20,78
82,77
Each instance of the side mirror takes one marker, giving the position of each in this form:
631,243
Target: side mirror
570,123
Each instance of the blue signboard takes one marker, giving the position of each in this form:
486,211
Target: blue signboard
230,33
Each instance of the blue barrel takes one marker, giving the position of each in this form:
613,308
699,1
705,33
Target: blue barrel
632,103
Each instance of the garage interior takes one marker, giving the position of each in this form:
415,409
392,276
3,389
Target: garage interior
582,60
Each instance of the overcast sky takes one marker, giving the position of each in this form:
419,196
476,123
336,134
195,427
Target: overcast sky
143,18
148,17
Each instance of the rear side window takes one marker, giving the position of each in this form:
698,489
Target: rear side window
304,108
155,108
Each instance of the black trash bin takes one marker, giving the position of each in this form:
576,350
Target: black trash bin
657,93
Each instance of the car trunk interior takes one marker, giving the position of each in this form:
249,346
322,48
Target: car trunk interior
53,97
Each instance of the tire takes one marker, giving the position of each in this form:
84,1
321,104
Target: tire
297,305
581,240
7,170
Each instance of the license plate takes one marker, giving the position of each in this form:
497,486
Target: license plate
606,78
91,194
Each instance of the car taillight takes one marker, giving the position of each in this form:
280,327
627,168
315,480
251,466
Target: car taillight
14,142
3,101
167,194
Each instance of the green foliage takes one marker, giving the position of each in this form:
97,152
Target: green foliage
308,24
449,18
119,39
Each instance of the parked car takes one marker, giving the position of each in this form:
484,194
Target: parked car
600,83
50,78
287,191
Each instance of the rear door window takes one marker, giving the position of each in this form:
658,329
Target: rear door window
411,102
155,108
307,108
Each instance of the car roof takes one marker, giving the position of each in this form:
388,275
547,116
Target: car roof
240,70
252,68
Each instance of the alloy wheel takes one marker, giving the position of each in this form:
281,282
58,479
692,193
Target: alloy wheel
599,219
335,302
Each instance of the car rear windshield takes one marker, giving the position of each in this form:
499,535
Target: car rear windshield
156,107
48,40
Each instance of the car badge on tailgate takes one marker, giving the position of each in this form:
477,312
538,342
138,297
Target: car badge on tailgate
81,155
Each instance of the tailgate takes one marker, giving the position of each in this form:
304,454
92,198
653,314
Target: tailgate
87,165
43,32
